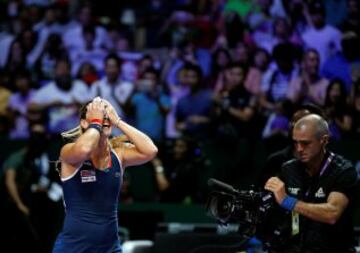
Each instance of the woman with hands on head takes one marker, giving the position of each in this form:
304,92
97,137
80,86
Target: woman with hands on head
91,173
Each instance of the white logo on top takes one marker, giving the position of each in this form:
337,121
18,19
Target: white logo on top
293,191
320,193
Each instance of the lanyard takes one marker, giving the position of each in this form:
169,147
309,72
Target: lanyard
323,169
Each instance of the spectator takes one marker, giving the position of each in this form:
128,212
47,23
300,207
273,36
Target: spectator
234,105
87,73
352,21
241,53
18,105
179,179
150,105
336,110
298,14
355,113
111,87
177,90
193,110
60,99
276,80
5,95
281,33
146,61
177,28
29,180
278,121
220,59
309,86
53,50
89,53
344,64
320,36
261,23
74,39
255,75
16,57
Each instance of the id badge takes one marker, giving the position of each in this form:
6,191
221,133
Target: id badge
295,223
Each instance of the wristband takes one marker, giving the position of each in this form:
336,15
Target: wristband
288,203
98,121
96,126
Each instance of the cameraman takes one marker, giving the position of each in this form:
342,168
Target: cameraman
318,188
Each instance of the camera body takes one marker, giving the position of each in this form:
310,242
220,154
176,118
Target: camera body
255,211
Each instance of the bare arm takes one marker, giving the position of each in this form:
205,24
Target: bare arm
79,151
328,212
161,180
142,150
10,182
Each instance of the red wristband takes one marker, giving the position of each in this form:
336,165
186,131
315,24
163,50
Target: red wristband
98,121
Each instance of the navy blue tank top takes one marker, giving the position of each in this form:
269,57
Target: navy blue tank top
91,203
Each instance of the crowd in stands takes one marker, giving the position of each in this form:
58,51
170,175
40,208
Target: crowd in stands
192,74
208,71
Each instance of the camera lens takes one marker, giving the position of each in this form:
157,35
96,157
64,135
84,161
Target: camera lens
221,207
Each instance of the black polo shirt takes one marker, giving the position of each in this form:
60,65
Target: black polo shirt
338,176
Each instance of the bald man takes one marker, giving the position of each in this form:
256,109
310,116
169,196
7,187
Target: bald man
318,188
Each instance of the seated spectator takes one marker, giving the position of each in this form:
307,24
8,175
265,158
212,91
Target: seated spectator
336,110
255,75
309,86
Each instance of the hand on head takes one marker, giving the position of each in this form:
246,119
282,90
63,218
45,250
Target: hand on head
110,112
95,109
